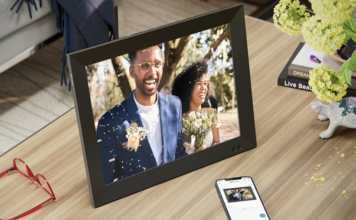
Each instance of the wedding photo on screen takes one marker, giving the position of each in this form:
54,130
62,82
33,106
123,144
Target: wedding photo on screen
239,194
164,102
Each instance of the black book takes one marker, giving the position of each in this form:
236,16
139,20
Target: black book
298,83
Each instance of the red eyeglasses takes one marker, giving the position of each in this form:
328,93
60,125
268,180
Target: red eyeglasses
21,167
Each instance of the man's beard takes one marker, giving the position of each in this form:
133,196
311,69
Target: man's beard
147,93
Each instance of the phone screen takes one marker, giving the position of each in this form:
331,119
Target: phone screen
241,199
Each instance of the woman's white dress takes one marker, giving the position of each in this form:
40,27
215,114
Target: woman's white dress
207,141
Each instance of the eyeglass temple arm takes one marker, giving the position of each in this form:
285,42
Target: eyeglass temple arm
7,171
34,208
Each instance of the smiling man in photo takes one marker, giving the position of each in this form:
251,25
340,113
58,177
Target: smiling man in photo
235,196
144,131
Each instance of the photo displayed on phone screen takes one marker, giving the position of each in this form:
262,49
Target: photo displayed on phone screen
241,199
239,194
160,103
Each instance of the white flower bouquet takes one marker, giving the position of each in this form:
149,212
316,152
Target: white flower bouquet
197,126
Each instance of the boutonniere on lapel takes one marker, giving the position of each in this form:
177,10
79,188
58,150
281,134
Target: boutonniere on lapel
134,135
234,195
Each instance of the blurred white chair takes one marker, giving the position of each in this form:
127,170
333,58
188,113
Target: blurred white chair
20,36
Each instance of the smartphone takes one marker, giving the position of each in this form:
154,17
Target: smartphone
240,199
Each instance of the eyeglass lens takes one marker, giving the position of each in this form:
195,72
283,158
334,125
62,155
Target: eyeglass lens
44,184
21,167
146,66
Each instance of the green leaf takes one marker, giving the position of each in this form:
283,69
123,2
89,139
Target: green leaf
348,67
351,23
349,27
346,39
348,34
347,75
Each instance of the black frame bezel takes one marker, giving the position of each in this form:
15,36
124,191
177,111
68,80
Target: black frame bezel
102,194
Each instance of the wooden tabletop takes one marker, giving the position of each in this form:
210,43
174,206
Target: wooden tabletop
288,148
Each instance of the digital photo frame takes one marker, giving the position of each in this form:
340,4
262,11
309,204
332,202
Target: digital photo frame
197,57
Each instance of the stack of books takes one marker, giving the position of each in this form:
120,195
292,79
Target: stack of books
296,73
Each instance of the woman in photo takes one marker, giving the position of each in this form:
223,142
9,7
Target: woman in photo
192,87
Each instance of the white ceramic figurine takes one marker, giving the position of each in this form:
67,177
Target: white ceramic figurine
341,113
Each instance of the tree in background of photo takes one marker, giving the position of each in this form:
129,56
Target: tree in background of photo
222,77
212,45
122,76
104,88
180,52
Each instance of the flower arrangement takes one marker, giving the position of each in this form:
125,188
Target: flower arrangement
134,135
328,85
327,30
197,126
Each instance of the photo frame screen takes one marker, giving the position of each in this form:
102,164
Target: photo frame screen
163,102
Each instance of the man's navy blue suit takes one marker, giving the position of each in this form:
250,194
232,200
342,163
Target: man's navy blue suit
118,162
233,197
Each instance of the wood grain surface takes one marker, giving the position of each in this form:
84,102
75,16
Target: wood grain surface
288,147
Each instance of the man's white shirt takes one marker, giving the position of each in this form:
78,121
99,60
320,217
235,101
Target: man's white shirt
152,123
237,194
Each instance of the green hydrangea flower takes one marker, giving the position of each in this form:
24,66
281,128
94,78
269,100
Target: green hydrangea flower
327,84
323,37
289,16
331,11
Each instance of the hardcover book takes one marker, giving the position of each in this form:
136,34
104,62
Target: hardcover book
301,64
287,80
